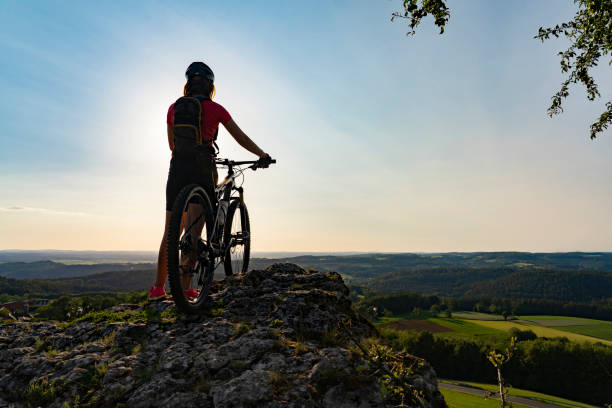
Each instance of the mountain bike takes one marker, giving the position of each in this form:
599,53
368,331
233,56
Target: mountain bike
206,232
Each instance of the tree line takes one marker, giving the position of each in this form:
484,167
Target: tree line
66,308
407,302
104,283
561,285
579,371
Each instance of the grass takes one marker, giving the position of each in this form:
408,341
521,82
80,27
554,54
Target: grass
469,325
279,382
424,315
546,317
603,332
478,316
242,328
457,399
469,330
42,392
516,392
540,331
147,314
112,317
600,329
395,318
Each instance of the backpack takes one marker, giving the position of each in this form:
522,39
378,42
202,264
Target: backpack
187,129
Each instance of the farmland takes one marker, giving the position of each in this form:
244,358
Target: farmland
545,350
540,331
495,329
462,328
457,399
589,327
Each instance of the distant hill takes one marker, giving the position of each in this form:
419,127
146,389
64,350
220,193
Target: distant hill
50,269
106,282
371,265
578,277
19,255
568,286
447,281
359,266
82,256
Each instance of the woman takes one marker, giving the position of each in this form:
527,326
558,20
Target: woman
185,170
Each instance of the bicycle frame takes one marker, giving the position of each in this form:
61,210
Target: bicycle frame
223,191
194,209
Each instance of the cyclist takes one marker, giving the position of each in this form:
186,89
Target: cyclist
198,167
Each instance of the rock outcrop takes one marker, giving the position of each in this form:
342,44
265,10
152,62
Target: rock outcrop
280,337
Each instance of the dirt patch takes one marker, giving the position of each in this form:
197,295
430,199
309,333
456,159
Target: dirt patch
416,325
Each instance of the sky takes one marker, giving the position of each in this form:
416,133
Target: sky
384,142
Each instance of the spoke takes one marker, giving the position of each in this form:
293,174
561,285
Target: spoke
198,218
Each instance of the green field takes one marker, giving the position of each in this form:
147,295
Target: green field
535,396
493,328
600,329
542,331
467,329
477,316
457,399
404,316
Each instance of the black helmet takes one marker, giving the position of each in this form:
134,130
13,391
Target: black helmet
201,69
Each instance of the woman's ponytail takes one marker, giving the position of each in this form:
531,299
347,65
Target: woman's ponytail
199,86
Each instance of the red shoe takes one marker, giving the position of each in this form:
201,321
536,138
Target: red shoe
191,293
157,292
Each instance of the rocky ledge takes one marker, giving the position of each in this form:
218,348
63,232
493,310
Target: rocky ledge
280,337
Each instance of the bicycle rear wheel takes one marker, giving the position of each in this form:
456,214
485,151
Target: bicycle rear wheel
190,261
237,238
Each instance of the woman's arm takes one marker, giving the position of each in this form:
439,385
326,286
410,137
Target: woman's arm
242,139
170,137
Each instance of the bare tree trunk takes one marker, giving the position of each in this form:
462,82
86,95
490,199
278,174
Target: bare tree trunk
500,380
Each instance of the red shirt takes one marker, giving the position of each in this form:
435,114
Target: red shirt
213,115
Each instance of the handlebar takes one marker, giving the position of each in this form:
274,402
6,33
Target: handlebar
255,164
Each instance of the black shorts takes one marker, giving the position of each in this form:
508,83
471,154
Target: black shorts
184,171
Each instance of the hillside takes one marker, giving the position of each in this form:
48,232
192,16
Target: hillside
271,338
360,266
82,256
558,285
370,265
106,282
450,281
568,286
51,270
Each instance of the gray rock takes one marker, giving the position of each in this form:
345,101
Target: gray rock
249,389
268,345
339,397
187,400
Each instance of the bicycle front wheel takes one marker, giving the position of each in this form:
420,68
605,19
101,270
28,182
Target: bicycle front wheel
190,260
237,238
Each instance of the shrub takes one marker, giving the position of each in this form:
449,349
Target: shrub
522,335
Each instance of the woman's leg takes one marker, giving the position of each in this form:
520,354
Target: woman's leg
162,258
193,213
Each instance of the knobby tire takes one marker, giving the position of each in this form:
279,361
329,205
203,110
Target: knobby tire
232,227
196,195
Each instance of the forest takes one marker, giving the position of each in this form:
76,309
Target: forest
559,367
406,302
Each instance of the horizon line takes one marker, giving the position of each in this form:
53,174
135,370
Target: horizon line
318,251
